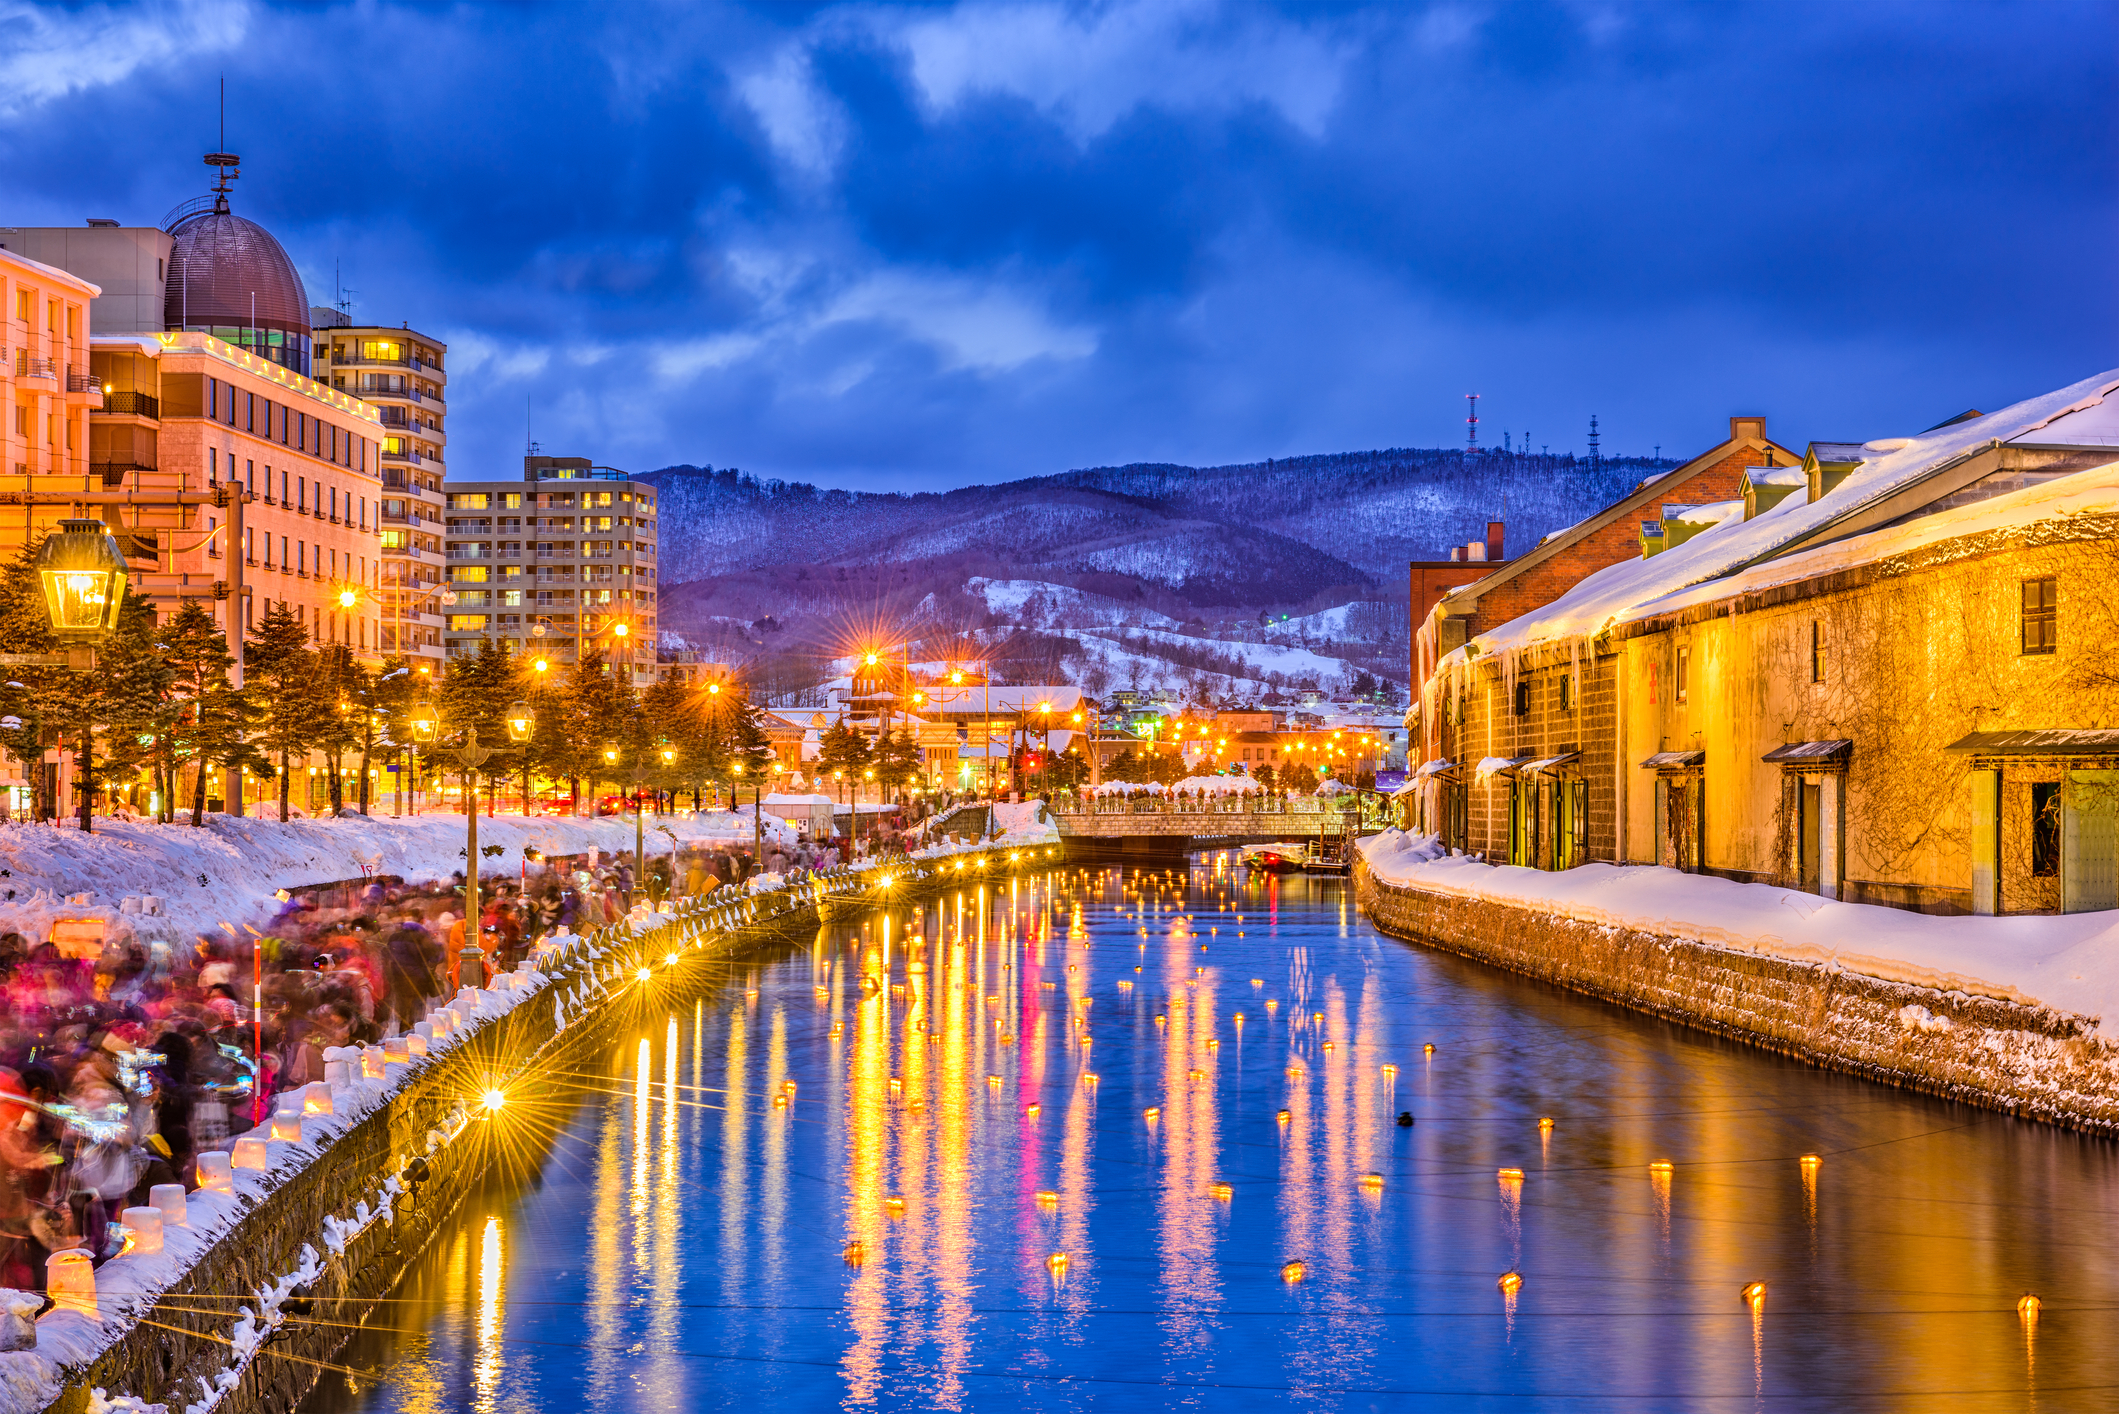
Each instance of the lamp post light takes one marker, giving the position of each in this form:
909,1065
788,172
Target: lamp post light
522,724
470,757
82,573
425,727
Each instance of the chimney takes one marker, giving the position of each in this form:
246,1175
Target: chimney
1475,550
1495,541
1747,428
1456,552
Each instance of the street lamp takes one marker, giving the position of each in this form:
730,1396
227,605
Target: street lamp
82,572
470,756
522,722
425,726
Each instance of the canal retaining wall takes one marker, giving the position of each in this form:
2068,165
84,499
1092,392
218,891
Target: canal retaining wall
2005,1054
253,1298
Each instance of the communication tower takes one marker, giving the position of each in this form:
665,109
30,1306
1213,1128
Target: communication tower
1471,425
1594,455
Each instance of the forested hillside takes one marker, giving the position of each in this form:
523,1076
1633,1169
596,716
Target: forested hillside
1210,548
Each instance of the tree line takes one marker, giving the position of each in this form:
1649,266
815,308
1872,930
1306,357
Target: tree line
161,703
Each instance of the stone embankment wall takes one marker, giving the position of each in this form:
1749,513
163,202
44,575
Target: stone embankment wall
2028,1061
193,1349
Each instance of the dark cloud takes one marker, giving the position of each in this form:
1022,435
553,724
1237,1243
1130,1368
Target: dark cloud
943,244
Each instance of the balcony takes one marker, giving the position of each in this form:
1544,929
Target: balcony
115,474
27,367
406,455
79,382
126,404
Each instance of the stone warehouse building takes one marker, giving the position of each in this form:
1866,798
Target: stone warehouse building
1888,683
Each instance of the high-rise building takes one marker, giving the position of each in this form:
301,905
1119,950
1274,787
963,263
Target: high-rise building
554,562
402,372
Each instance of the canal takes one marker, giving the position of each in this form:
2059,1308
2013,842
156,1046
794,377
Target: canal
1053,1146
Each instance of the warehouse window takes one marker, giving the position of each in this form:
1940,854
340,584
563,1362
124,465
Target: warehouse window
2041,615
1817,650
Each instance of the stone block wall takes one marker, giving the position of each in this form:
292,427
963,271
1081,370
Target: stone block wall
2024,1060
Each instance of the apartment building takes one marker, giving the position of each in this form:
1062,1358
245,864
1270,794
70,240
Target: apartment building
552,563
402,372
49,386
179,360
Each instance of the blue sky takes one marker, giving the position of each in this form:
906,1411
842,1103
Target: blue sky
919,246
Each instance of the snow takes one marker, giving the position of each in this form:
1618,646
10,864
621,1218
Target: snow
2067,962
1633,588
229,869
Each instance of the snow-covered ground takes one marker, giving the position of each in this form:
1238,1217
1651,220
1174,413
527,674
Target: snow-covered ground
2069,962
229,869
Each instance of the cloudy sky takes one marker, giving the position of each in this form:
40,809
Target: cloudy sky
929,245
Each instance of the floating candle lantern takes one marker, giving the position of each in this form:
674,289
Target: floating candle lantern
1754,1295
1223,1192
854,1254
1372,1182
1510,1283
1046,1198
1151,1114
1293,1272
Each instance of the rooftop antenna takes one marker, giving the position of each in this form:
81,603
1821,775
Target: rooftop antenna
225,160
342,298
1471,425
1594,455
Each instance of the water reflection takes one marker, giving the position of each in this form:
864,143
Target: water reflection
961,1203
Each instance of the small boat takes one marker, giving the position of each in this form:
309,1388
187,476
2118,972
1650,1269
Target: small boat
1329,854
1275,858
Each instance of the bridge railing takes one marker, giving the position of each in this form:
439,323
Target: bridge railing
1203,805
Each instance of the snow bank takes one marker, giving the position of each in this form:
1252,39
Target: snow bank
1023,824
229,868
2068,962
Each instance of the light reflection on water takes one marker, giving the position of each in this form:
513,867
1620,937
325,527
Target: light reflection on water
683,1245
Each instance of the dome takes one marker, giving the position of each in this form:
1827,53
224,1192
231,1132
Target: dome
229,278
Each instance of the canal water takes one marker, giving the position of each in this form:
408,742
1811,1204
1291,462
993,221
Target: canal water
1053,1145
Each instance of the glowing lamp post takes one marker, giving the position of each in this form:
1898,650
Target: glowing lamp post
522,723
82,573
426,725
470,756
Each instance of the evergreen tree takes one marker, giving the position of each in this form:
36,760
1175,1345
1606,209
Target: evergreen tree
215,718
280,676
897,759
597,705
843,750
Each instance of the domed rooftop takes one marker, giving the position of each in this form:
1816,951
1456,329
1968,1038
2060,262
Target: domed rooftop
228,277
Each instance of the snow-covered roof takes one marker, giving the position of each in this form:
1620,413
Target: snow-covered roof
945,700
1707,565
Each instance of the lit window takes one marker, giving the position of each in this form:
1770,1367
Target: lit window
1817,650
1684,673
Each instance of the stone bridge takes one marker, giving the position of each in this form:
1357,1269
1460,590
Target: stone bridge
1163,829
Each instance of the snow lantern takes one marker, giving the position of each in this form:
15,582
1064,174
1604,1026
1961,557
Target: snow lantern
143,1230
169,1198
250,1153
70,1281
216,1171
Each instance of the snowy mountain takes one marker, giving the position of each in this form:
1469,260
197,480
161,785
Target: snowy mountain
758,568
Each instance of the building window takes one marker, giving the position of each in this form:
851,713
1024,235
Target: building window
1684,674
2041,615
2045,827
1567,692
1817,650
1522,699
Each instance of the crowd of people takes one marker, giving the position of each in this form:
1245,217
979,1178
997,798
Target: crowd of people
118,1069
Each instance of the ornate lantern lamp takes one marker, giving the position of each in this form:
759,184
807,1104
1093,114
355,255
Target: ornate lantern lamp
82,572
